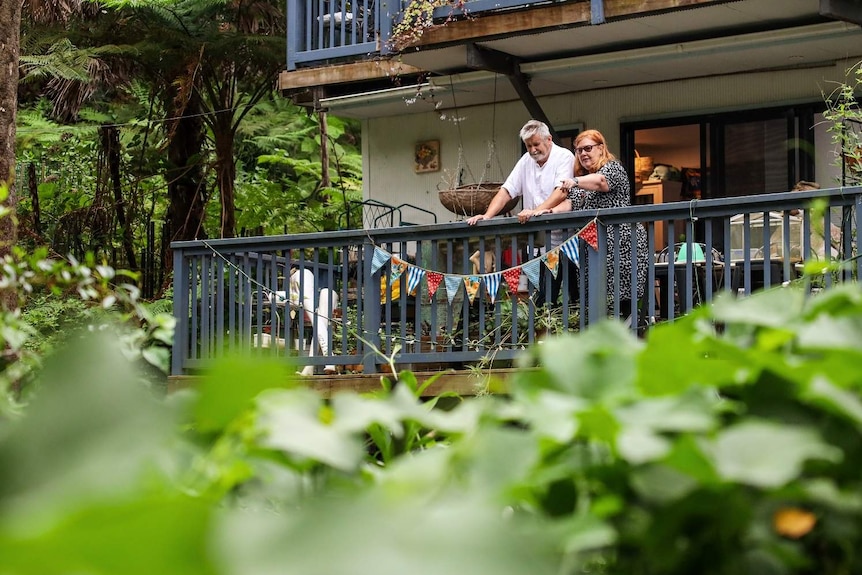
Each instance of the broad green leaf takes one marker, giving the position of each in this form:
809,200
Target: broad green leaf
776,308
639,445
835,399
581,533
661,484
677,357
453,532
826,492
692,411
90,433
598,364
290,421
140,536
551,414
825,332
764,454
688,457
230,387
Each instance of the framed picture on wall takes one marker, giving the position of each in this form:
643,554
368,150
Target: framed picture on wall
426,156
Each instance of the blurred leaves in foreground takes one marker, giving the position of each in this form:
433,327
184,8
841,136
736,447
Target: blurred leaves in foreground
726,443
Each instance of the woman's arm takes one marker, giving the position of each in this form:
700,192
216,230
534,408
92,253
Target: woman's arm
591,182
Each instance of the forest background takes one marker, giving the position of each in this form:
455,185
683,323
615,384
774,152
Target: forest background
142,123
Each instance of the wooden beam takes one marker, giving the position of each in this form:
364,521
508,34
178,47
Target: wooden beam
344,73
507,23
464,383
545,17
479,58
846,10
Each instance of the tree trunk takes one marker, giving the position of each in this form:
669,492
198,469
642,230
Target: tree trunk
325,180
110,137
33,187
10,30
225,176
185,175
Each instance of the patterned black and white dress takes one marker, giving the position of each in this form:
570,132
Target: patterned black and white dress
619,195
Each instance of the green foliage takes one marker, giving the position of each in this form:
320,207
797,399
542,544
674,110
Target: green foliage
845,117
54,301
724,443
417,17
279,185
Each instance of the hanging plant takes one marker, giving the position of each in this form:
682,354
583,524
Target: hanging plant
417,18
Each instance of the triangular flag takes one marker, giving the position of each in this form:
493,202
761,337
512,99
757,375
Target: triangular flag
492,285
589,233
414,276
452,285
434,279
531,270
380,259
552,261
471,286
512,277
571,249
398,267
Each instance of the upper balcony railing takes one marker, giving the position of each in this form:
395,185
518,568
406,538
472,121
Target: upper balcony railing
324,30
361,296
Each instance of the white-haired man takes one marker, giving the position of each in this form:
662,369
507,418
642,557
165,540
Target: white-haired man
535,177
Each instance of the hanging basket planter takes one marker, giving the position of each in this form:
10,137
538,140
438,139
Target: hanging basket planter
473,199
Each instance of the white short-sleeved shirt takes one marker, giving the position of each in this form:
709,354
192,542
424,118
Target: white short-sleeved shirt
534,182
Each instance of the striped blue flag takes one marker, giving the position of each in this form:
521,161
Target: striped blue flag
570,248
492,285
414,276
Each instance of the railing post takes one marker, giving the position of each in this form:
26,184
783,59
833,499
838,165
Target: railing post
597,12
598,289
387,11
857,241
370,324
181,312
295,15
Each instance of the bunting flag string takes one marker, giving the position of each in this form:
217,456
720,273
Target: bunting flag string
472,283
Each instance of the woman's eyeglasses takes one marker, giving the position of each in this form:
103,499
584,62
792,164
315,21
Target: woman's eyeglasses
586,149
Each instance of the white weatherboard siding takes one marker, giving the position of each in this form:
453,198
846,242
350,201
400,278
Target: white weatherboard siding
388,142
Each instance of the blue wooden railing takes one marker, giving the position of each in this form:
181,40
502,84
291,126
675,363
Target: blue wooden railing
229,294
326,30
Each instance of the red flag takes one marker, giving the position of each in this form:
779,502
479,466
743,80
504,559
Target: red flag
433,279
589,234
512,275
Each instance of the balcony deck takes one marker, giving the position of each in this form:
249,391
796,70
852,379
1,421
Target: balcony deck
231,296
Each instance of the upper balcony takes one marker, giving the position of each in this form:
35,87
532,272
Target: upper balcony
346,47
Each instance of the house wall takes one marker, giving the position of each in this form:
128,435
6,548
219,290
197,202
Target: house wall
388,142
